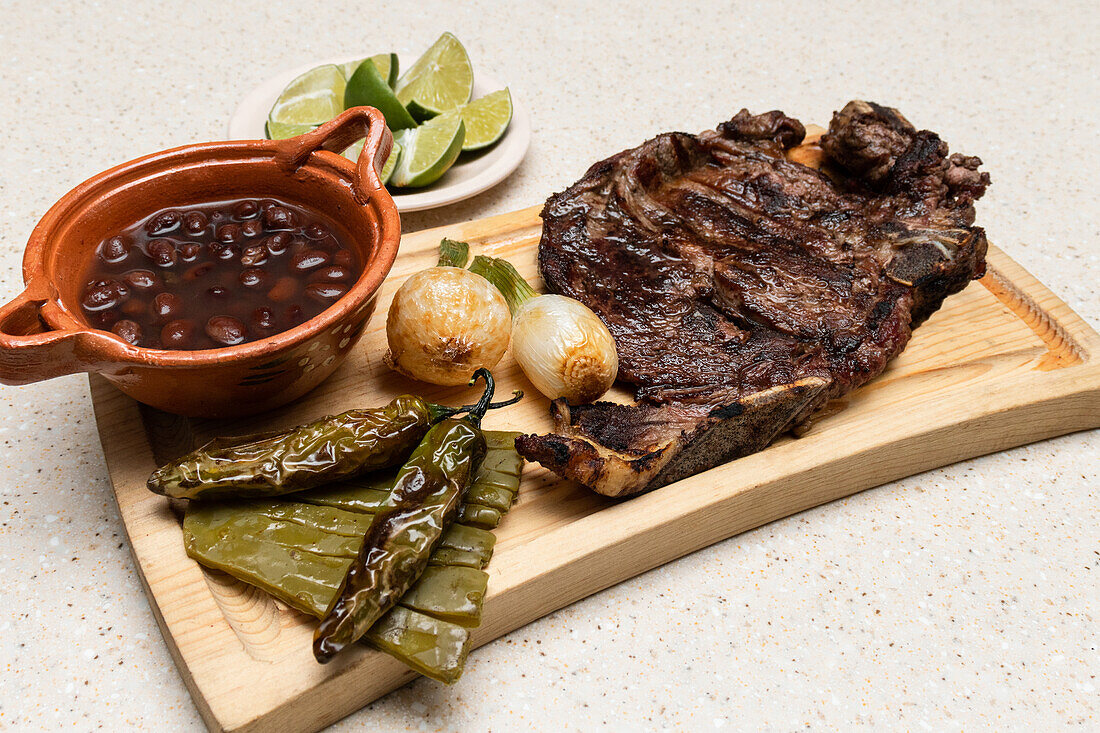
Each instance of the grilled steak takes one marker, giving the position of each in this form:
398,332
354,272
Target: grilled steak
745,289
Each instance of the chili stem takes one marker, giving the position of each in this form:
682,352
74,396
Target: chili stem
442,412
482,405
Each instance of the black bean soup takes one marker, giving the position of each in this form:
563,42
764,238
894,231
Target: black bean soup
215,275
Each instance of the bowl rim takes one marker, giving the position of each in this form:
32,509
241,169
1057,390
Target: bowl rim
57,314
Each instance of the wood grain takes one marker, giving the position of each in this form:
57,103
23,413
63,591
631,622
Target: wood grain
1003,363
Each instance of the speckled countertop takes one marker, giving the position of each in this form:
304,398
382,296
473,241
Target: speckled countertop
966,597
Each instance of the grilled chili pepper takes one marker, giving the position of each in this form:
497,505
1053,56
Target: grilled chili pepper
298,549
424,502
364,494
326,450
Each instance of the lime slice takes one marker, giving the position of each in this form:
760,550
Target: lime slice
439,81
352,154
386,63
486,119
314,97
428,151
367,87
283,130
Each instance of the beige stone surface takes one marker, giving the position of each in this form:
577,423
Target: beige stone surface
966,597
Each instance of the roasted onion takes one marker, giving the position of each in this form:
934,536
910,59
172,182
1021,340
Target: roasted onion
561,345
444,324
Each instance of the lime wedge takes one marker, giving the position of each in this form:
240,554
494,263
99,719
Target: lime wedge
283,130
386,63
367,87
352,154
486,119
439,81
314,97
391,163
428,151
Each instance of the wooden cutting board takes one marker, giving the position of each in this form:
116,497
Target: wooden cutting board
1003,363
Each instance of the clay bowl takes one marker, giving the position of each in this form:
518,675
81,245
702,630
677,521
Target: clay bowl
43,333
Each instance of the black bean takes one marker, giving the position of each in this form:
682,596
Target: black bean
167,307
277,243
101,295
252,228
178,335
162,252
253,255
141,280
218,292
194,222
189,251
247,210
263,321
325,292
332,273
228,233
316,231
226,330
162,223
129,330
115,250
278,217
343,258
307,260
253,277
226,252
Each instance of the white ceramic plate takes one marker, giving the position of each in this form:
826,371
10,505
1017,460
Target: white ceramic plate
472,174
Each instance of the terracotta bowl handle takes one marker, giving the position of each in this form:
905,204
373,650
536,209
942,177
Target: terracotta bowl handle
336,135
31,351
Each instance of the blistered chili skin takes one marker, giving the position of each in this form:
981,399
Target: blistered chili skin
215,275
424,502
330,449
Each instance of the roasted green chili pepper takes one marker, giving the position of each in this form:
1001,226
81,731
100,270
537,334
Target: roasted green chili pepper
298,549
311,455
425,500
